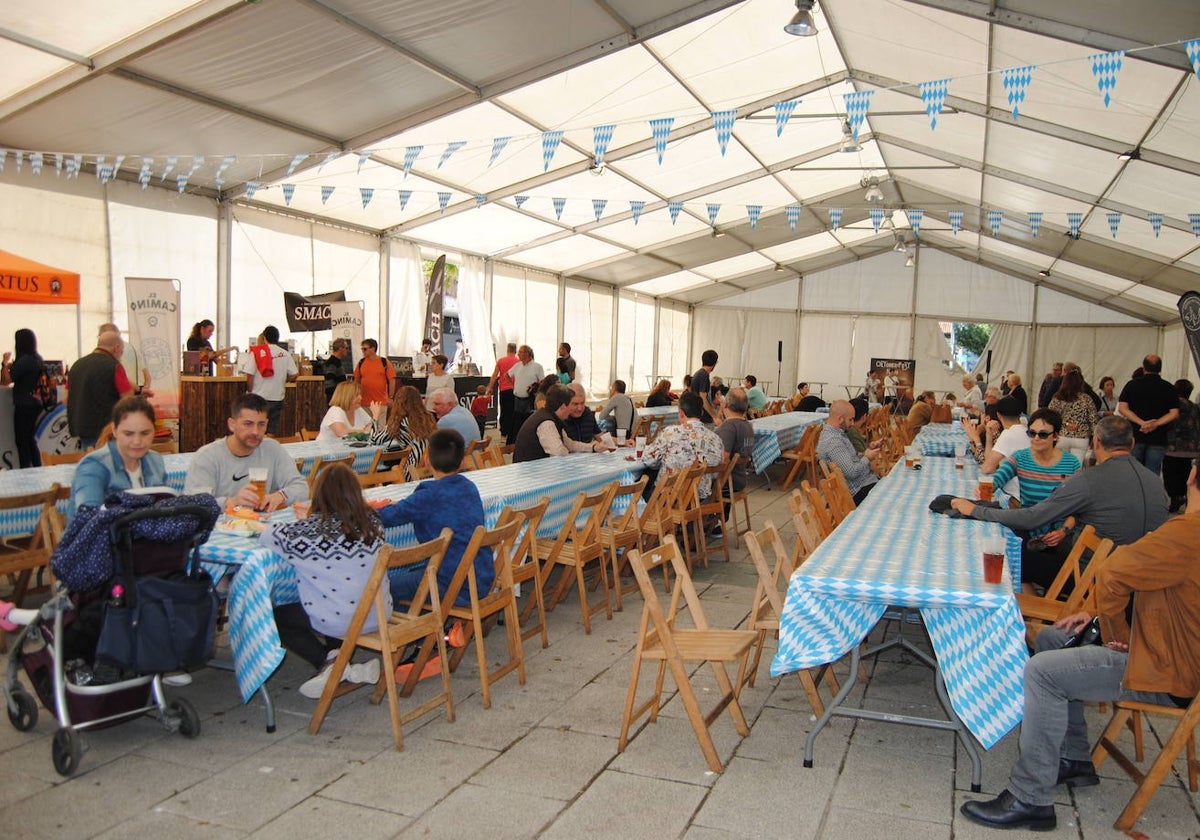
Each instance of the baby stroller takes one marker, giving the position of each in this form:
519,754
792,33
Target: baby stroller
95,653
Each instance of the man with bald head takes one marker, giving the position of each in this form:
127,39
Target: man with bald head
94,385
833,446
1151,405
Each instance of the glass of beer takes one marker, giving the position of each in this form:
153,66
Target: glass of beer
639,443
258,480
993,559
960,452
910,456
986,486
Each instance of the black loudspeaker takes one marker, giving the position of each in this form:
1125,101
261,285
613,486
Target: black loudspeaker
779,352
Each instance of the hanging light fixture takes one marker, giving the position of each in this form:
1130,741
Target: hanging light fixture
873,194
849,144
909,263
899,247
802,22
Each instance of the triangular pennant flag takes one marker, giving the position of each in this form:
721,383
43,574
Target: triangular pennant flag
754,211
1155,223
1035,223
19,157
450,149
480,198
550,141
410,157
835,217
296,161
117,161
100,160
1114,222
713,210
226,162
289,190
933,94
876,214
723,126
363,157
673,208
1074,220
995,219
1192,48
636,208
251,189
73,164
35,163
58,163
326,192
181,182
783,113
168,168
366,193
598,205
1016,82
520,199
915,217
660,130
145,171
559,204
857,104
1106,67
405,195
3,157
443,201
956,219
330,158
498,144
601,136
1194,218
792,211
197,162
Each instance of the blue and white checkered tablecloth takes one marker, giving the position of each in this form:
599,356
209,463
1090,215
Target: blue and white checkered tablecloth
940,438
777,432
893,551
667,415
264,579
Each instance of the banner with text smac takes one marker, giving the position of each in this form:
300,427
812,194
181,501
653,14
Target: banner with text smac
309,313
154,334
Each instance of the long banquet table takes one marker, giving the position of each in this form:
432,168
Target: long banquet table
892,551
940,438
777,432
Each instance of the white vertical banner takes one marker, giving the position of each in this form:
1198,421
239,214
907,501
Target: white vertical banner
346,320
154,333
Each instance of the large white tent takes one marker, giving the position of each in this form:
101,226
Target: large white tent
279,113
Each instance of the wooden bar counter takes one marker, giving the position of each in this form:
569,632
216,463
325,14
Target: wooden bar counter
205,401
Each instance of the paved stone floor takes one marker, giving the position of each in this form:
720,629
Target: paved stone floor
543,761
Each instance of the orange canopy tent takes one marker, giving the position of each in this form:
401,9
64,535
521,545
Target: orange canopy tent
26,281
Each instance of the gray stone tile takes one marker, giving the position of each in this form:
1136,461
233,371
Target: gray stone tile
548,762
159,823
846,822
755,799
884,781
648,809
668,749
473,811
317,816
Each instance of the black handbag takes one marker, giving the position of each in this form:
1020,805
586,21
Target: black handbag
160,624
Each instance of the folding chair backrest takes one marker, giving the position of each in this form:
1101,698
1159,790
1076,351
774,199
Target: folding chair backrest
766,591
644,563
618,522
500,540
1086,556
819,509
46,530
808,529
395,475
323,463
531,519
474,453
51,459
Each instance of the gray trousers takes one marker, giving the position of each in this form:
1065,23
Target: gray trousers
1057,683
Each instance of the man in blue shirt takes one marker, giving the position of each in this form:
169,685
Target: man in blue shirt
451,415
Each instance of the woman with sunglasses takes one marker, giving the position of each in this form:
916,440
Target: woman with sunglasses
1039,471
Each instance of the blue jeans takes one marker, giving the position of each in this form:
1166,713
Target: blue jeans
1151,457
404,583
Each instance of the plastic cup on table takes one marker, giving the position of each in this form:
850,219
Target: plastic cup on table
993,559
986,487
639,443
620,437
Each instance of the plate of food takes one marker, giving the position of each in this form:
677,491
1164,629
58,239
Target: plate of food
356,439
240,527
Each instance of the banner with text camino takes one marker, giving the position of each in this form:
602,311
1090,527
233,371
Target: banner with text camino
309,313
155,335
346,319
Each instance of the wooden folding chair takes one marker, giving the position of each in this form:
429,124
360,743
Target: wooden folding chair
640,427
386,459
395,475
735,498
484,605
421,622
1079,570
621,532
308,434
1124,713
714,505
819,508
841,500
768,607
471,458
803,457
808,529
296,438
676,648
322,463
23,557
53,459
685,513
578,547
526,567
835,502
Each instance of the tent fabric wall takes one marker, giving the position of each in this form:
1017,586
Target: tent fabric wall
1009,346
269,254
1177,355
523,303
762,347
347,261
635,347
587,327
1056,308
473,312
1114,351
953,289
932,353
878,338
406,298
723,330
878,284
673,332
823,345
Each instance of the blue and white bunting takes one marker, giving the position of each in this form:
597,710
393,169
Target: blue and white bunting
480,198
713,210
443,201
601,136
1192,48
296,161
1016,83
411,153
363,157
289,190
956,219
181,182
520,199
792,212
145,172
120,159
933,94
995,219
405,195
636,208
1114,222
326,192
783,113
101,162
1106,67
876,215
674,208
1035,223
450,149
1155,223
1074,220
1194,218
35,163
550,141
498,146
660,130
74,164
366,194
754,211
251,189
58,164
330,158
857,104
3,158
226,162
723,126
915,217
168,167
559,205
598,205
197,163
835,217
19,158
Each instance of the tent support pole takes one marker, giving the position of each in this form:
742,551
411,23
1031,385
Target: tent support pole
224,270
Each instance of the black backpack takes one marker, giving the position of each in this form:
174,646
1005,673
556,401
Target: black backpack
45,390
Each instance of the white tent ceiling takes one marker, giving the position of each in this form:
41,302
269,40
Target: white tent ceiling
267,80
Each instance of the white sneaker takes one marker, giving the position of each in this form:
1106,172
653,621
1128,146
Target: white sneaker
177,679
362,672
312,688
